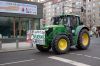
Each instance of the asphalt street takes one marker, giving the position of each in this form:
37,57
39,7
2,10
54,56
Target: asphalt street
90,57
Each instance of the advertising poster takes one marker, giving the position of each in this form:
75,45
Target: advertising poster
21,8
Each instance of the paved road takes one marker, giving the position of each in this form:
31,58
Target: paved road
90,57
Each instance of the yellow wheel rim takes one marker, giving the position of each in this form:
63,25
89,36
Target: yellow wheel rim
62,44
85,39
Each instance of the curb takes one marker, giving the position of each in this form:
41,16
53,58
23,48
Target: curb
15,50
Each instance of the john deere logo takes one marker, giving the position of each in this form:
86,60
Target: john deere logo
38,36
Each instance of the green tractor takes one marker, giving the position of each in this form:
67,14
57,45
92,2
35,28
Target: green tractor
66,31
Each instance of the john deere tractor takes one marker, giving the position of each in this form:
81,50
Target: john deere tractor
66,31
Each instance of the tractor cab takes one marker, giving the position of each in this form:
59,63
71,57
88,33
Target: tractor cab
67,20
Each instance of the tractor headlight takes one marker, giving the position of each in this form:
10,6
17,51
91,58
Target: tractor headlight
49,30
46,29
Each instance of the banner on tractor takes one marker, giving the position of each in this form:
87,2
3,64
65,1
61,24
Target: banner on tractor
38,37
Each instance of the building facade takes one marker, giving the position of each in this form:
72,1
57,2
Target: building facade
18,17
88,10
53,8
93,12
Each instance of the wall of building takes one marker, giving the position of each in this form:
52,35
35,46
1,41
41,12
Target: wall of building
16,25
53,8
93,12
90,16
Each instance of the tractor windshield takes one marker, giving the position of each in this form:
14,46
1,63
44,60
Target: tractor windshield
58,20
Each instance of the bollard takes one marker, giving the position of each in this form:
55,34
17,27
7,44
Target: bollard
0,45
17,43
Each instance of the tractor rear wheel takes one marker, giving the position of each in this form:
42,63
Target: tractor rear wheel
42,48
83,40
60,44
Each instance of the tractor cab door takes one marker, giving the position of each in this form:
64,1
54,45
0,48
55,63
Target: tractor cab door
73,22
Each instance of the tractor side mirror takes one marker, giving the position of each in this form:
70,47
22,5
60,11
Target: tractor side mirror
66,25
81,23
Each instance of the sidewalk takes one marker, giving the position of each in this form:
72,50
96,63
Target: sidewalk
95,40
15,47
27,46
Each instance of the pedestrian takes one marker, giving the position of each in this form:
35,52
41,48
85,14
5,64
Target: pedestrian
99,32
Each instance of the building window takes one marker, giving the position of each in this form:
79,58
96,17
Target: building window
11,27
93,4
84,0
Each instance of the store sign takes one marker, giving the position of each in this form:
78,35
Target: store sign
21,8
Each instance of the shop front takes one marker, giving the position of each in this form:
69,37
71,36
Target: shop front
17,17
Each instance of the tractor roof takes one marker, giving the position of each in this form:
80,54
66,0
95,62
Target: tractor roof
67,15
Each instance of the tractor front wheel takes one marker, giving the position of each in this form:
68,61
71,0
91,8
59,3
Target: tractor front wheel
42,48
83,40
60,44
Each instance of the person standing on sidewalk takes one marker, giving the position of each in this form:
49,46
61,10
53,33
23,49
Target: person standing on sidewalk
99,32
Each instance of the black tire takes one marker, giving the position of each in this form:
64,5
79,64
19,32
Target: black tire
80,44
42,48
56,49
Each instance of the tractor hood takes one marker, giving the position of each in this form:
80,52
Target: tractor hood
53,26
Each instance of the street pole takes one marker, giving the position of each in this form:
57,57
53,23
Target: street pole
63,7
31,44
17,43
14,27
20,27
0,44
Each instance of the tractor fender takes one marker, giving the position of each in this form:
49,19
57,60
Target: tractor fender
61,34
78,29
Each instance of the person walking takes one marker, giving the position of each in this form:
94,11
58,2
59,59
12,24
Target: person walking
99,32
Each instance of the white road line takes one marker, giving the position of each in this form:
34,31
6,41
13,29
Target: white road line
71,53
79,54
16,62
68,61
98,58
76,54
88,56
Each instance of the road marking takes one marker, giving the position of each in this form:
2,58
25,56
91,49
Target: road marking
88,56
68,61
76,54
98,58
16,62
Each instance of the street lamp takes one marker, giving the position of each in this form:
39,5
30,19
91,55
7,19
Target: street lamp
63,7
